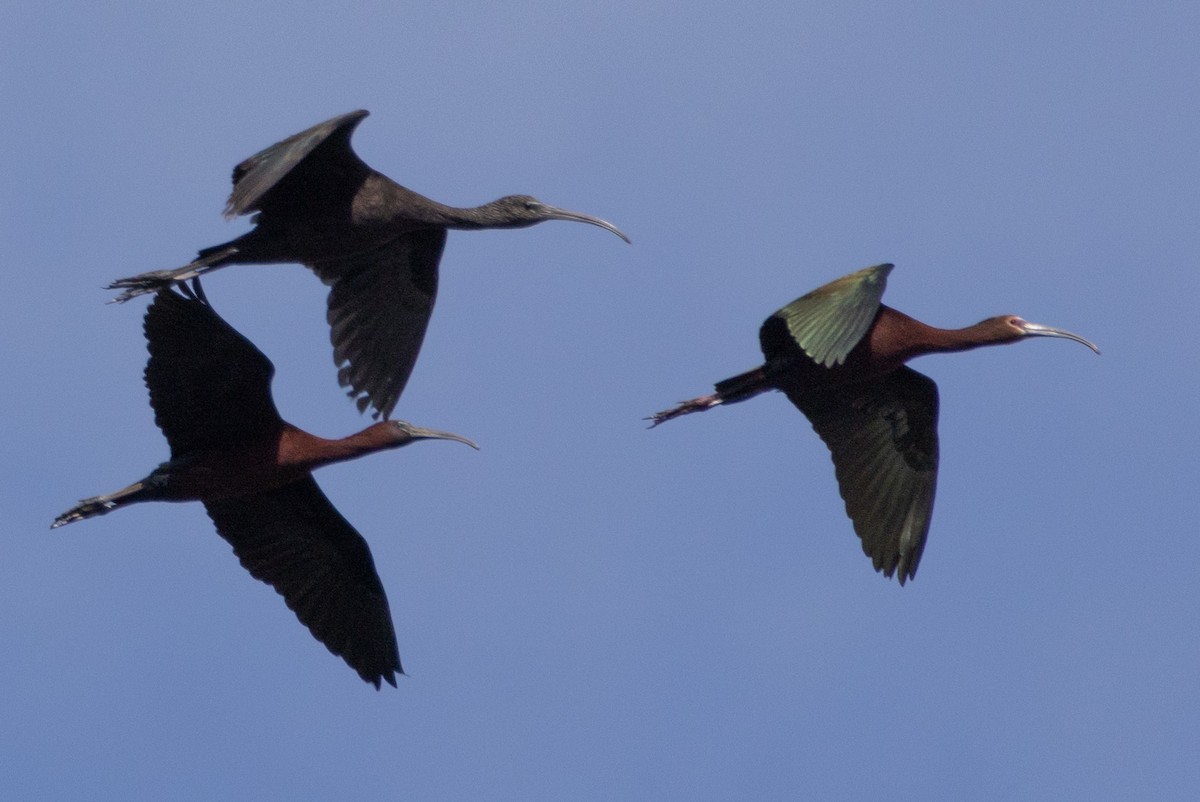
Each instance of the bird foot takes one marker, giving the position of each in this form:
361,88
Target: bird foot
155,280
89,507
144,283
683,408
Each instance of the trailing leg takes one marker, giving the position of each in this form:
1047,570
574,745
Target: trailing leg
739,388
102,505
210,259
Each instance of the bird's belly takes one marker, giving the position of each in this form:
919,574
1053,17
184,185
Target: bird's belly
799,373
212,477
310,241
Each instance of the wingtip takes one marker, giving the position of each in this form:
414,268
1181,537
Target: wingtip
381,676
389,677
904,572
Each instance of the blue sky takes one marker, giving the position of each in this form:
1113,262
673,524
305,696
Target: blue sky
587,609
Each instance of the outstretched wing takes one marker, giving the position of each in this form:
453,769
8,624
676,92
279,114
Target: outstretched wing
309,171
295,540
380,302
829,321
209,386
882,435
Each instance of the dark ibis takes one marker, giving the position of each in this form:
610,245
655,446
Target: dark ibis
838,354
210,388
375,243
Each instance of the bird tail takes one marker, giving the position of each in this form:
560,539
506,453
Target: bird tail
102,505
209,259
739,388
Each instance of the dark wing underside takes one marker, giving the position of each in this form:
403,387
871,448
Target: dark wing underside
380,302
882,435
296,541
305,173
209,386
829,321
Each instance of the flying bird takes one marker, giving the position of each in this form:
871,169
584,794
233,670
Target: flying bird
210,389
838,354
375,243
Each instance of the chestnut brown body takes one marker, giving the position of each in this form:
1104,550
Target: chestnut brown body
839,355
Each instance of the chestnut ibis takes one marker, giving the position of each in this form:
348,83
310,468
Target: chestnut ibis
838,354
210,389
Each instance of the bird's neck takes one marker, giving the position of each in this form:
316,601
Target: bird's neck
462,219
449,216
490,215
897,338
440,215
965,339
416,210
298,448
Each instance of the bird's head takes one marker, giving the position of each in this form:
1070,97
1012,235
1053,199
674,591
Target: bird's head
522,211
1011,328
400,433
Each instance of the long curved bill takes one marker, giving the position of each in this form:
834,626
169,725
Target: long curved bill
421,433
1038,330
555,213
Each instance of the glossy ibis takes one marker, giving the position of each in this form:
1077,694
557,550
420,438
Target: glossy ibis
210,388
838,354
375,243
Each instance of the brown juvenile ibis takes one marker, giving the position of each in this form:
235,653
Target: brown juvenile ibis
838,354
210,388
375,243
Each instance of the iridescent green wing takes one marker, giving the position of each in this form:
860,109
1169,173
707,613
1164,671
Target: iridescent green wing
829,321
